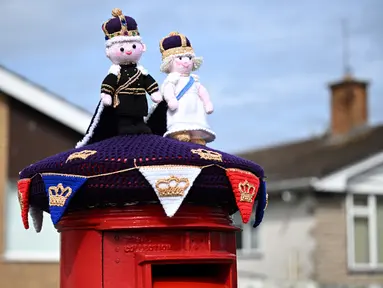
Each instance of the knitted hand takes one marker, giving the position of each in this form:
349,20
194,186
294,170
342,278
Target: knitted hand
106,99
156,97
173,104
209,107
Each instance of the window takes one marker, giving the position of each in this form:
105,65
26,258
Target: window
248,239
27,245
365,231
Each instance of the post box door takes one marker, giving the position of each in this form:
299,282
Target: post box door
185,275
147,259
187,283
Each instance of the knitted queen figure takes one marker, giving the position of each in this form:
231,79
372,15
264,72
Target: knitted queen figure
188,101
123,104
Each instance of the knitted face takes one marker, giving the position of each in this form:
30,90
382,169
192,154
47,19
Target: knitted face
182,64
125,52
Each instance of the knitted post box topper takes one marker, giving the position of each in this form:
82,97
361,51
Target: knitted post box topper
139,170
187,101
123,104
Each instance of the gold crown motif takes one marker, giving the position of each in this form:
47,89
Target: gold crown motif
81,155
208,155
172,186
184,49
58,195
247,191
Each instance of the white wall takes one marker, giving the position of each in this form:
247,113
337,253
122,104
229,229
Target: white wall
285,241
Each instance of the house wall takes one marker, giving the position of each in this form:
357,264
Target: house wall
34,136
285,240
25,137
330,258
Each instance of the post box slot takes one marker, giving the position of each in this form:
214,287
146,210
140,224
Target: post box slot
188,275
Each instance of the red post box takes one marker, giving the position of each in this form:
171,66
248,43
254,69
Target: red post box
142,247
140,222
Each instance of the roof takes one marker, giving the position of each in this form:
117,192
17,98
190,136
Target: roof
316,157
44,101
363,177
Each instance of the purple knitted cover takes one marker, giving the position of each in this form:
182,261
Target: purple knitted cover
211,186
114,24
174,42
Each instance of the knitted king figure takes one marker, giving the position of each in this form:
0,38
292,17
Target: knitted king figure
187,100
123,104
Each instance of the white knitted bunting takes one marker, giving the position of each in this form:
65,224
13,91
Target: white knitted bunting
171,184
37,218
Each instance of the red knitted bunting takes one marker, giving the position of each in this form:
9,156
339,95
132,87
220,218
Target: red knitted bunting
23,194
245,187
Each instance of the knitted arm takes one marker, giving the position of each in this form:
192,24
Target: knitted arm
109,85
205,98
151,86
203,94
169,86
168,90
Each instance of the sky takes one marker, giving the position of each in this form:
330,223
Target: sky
267,63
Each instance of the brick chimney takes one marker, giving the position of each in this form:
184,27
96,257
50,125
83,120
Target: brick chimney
349,111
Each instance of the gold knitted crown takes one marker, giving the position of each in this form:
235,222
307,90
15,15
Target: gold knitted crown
207,155
172,186
80,155
184,49
58,195
247,191
117,12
